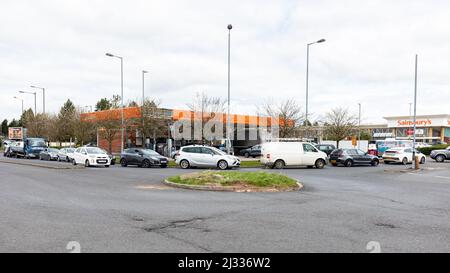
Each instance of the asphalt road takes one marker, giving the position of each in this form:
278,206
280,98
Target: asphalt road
129,210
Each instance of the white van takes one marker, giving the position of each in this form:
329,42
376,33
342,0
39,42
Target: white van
280,154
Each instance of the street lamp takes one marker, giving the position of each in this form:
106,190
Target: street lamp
121,96
143,103
359,127
228,141
20,100
33,93
43,96
307,75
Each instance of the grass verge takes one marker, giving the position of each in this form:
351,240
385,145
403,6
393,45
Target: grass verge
228,178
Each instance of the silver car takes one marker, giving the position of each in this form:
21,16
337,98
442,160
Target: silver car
205,156
65,154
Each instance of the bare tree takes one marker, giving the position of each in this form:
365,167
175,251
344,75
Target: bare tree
287,112
153,121
84,130
339,124
109,127
206,108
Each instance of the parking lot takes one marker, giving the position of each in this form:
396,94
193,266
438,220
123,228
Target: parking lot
129,210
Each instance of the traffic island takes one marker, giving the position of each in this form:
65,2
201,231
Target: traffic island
235,181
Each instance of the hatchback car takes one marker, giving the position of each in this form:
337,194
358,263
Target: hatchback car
205,156
143,158
326,148
402,155
441,155
90,156
65,154
49,154
352,157
254,151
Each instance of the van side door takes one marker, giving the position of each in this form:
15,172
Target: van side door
310,155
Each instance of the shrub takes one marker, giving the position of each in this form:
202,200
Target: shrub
427,150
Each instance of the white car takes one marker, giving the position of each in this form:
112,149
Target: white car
90,156
281,154
402,155
205,156
65,154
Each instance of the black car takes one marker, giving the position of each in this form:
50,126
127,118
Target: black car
351,157
142,158
254,151
326,148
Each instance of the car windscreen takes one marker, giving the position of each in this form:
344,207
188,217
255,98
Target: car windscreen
52,150
94,151
36,143
217,151
70,150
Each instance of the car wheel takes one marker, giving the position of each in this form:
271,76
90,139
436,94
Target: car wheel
58,159
320,163
106,166
123,162
67,159
146,164
86,163
279,164
405,161
74,162
440,158
184,164
422,160
247,155
223,165
348,163
375,162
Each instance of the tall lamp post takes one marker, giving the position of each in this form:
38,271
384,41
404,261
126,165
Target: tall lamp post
121,97
43,96
359,126
415,114
17,98
33,93
228,143
143,104
307,77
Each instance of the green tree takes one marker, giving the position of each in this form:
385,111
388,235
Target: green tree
5,127
66,121
103,104
27,116
85,131
14,123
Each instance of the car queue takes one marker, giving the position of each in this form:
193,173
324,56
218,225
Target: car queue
277,155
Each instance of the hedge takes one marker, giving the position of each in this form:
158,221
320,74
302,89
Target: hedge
427,150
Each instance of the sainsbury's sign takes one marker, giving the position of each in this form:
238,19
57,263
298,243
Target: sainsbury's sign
420,122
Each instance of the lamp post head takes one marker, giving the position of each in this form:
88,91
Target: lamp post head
109,55
321,41
144,71
230,27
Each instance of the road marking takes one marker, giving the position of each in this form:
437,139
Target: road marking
445,177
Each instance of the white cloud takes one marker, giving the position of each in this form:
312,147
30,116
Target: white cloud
368,56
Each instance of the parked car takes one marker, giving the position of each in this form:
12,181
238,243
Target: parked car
326,148
402,155
441,155
254,151
112,158
351,157
143,158
6,144
91,156
49,154
205,156
66,154
422,145
281,154
28,148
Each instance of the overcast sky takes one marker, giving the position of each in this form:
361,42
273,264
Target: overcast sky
368,56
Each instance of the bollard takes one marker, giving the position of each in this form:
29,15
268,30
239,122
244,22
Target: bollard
417,162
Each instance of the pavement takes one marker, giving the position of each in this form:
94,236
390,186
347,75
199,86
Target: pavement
129,210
